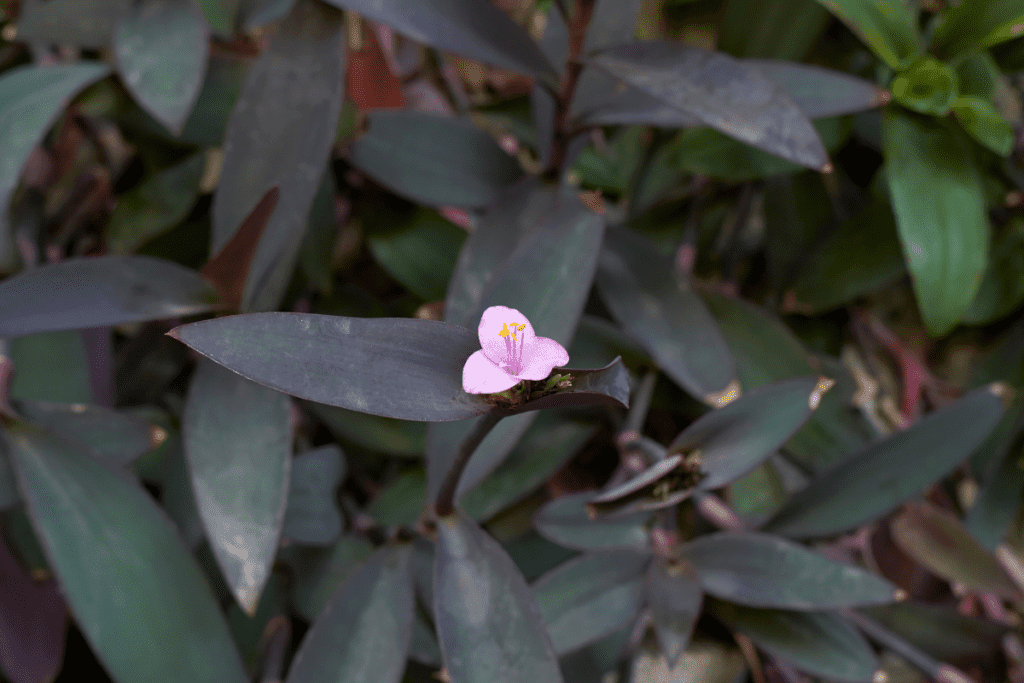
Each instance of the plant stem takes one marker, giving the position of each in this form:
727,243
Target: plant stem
445,503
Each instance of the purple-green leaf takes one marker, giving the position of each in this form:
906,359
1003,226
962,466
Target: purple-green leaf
721,92
237,438
363,633
759,570
392,367
122,568
488,622
99,292
675,598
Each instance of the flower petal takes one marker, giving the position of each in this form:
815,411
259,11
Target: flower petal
493,320
540,356
481,376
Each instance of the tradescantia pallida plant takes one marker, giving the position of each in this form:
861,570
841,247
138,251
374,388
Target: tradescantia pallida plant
485,396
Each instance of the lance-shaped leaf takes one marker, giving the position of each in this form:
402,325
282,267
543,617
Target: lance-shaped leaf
591,596
488,622
472,28
118,437
312,516
362,635
978,24
320,571
101,291
33,621
434,159
666,483
888,27
821,92
759,570
675,597
547,278
786,29
984,123
565,521
940,630
939,202
156,204
280,135
887,473
722,93
392,367
122,568
546,446
735,439
82,23
938,540
31,97
161,48
521,209
821,644
667,317
238,442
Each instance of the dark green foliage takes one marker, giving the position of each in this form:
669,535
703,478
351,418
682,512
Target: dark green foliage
251,256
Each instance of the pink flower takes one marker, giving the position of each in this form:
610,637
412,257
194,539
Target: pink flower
511,352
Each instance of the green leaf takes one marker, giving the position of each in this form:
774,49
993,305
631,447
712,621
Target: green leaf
978,74
161,48
51,366
220,15
363,633
237,438
721,92
821,644
392,367
83,23
100,291
565,521
383,434
861,256
759,570
591,596
996,505
785,29
928,87
177,497
985,124
665,315
319,572
123,570
472,28
939,203
155,205
280,135
545,447
434,160
31,98
937,540
421,255
1002,288
117,437
887,473
981,23
767,351
888,27
736,438
401,501
940,630
675,598
488,622
312,516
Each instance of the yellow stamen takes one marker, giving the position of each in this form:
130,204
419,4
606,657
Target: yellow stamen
504,331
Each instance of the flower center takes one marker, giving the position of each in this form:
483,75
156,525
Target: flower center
513,360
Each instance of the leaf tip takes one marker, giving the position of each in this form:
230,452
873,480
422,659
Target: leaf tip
899,595
823,385
724,397
827,167
157,435
1002,391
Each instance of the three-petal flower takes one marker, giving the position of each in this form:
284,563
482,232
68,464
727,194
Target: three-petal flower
510,352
